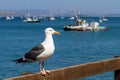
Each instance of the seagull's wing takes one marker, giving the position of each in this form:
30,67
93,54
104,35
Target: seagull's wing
33,53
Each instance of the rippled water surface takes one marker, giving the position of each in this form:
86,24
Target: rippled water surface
72,48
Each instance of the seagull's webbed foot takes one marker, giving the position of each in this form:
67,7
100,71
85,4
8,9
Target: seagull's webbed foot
47,71
44,72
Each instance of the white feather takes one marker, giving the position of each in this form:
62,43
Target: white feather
49,47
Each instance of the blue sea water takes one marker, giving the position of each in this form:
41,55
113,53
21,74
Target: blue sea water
72,48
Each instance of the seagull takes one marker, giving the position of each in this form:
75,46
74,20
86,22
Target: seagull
41,52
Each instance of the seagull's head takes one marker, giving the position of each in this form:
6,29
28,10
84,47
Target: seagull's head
51,31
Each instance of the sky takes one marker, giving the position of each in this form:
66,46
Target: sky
85,6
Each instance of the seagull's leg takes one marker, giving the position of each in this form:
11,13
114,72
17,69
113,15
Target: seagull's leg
47,71
42,68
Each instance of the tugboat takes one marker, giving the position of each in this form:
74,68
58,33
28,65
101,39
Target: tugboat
82,25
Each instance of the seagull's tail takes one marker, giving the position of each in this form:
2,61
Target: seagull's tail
20,60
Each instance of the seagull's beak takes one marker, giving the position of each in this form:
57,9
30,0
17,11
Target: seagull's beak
58,33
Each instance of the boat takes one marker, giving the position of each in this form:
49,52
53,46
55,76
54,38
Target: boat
72,18
28,20
103,19
82,25
32,20
36,19
9,17
94,26
52,18
100,20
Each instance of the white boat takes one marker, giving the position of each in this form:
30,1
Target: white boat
94,26
100,20
52,18
9,17
28,20
36,19
32,20
72,18
103,19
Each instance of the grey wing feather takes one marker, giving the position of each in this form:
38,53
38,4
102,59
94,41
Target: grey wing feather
33,53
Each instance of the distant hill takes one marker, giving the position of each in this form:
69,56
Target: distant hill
41,12
112,15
